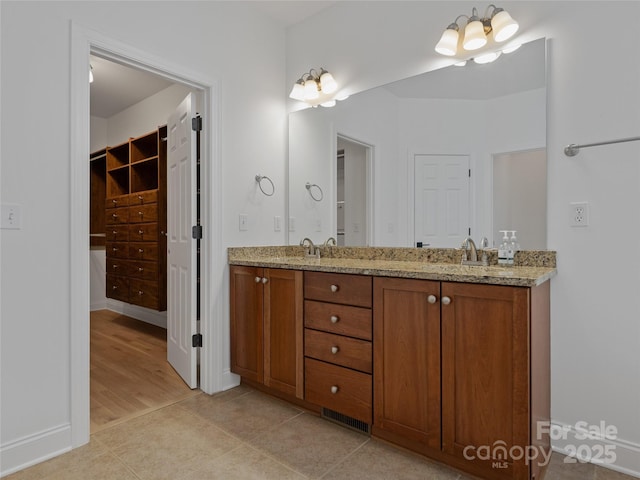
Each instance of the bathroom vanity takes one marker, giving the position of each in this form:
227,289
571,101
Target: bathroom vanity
447,360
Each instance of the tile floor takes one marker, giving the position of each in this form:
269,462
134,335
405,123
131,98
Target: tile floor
245,434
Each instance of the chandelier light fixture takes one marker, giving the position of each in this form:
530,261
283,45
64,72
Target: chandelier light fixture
315,88
495,20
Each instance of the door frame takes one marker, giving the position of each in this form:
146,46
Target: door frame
212,376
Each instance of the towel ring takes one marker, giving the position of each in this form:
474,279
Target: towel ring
259,179
308,186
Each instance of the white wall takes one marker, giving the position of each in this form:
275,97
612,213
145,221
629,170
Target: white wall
593,95
225,41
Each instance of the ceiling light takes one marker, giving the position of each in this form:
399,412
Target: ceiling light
476,31
486,57
315,88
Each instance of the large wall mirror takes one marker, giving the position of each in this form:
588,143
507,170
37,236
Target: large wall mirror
427,159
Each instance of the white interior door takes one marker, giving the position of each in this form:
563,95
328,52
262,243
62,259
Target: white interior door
441,200
181,247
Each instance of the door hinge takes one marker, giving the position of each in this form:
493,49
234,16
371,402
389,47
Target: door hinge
469,173
196,232
196,340
196,124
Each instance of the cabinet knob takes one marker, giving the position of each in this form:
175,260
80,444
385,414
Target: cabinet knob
140,269
115,202
335,288
115,287
334,389
258,279
115,232
446,300
115,249
114,215
335,350
140,232
115,267
141,250
140,213
334,319
140,292
432,299
140,197
265,280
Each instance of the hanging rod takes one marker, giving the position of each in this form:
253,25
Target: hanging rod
573,149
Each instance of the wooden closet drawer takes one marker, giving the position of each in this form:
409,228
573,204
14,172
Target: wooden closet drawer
143,213
143,293
117,250
117,215
115,202
143,251
117,288
338,388
143,198
143,232
338,288
144,270
117,233
118,266
340,319
337,349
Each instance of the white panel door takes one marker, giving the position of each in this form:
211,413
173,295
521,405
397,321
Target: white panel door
441,210
181,247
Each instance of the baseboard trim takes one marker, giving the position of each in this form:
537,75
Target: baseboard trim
574,441
32,449
153,317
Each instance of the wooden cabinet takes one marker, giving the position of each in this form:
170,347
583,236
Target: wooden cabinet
461,366
98,192
136,220
337,343
266,327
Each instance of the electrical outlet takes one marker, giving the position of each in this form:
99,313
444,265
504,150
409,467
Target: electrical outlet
579,214
243,222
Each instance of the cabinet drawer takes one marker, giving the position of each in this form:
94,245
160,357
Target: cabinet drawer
143,232
117,288
143,198
338,288
117,233
340,319
117,215
117,250
143,213
338,388
143,293
337,349
144,270
118,266
115,202
143,251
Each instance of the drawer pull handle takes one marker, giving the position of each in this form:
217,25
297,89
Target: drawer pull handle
115,267
265,280
258,279
140,232
115,249
141,250
114,215
432,299
335,350
115,287
140,213
139,197
140,292
115,232
115,202
334,319
140,269
446,300
335,288
334,389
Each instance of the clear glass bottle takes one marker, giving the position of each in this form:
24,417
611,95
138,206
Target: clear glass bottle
503,249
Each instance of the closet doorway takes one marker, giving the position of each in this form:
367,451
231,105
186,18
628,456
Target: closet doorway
129,112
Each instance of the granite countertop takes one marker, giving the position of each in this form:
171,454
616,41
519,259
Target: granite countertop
531,267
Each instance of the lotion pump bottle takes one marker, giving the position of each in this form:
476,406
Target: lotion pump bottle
503,249
513,247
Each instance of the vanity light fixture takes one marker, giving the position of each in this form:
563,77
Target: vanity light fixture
315,88
495,20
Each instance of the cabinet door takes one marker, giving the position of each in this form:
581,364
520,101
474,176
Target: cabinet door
246,304
283,324
406,369
485,374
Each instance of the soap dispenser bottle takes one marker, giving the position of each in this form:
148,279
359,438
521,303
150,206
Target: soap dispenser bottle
503,249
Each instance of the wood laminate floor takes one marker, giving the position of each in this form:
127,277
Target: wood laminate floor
130,375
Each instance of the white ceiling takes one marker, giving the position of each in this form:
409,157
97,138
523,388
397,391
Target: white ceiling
117,87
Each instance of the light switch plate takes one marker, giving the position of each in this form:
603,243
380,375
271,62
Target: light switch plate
243,222
11,217
277,223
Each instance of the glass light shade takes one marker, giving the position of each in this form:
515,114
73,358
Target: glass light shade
327,83
330,103
448,44
474,37
486,57
297,92
504,27
310,89
511,48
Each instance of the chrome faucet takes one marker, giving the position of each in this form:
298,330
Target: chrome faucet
311,249
470,252
330,241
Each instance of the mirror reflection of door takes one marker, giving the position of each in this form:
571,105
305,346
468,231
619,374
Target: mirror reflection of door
520,197
351,193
